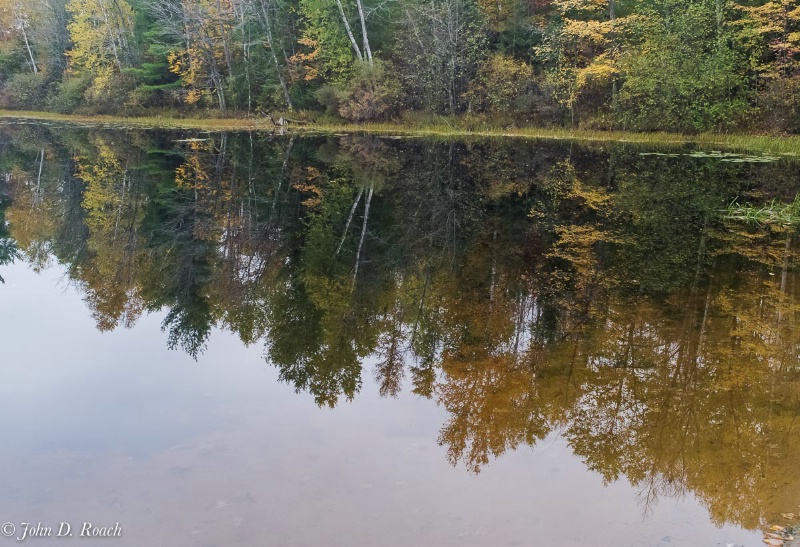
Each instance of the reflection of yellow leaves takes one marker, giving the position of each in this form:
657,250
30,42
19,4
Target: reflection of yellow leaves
191,174
313,201
312,173
575,244
594,199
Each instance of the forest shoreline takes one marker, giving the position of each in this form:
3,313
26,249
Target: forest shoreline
450,129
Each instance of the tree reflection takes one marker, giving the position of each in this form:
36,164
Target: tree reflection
526,288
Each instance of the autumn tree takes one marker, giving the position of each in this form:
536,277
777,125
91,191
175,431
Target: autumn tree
771,35
200,34
101,33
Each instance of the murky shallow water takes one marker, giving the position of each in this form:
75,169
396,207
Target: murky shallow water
528,345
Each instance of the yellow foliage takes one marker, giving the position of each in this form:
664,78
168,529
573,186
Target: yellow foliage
207,26
586,7
600,72
303,65
99,31
595,32
500,80
496,12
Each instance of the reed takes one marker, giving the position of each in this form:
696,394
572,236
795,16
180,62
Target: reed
774,213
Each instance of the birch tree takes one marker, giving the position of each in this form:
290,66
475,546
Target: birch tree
101,32
202,56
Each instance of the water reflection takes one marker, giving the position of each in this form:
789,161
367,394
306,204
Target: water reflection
526,288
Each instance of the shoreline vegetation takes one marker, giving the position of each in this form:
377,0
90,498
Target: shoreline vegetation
447,128
721,71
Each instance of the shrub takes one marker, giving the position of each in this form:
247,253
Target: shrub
328,96
24,90
683,77
67,95
502,85
109,91
780,103
371,93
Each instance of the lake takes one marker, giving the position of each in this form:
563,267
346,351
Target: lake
239,339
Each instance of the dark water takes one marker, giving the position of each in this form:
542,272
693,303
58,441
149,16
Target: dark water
254,340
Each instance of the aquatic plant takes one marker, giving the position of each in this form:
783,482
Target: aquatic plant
774,213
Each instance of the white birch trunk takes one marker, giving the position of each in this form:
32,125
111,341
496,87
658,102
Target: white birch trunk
367,49
349,31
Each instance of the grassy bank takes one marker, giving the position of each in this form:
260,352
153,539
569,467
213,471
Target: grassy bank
446,128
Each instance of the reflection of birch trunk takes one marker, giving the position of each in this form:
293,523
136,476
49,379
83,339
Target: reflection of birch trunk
425,285
785,266
784,274
493,278
38,194
363,233
121,202
349,220
349,31
701,251
284,174
701,341
39,176
519,324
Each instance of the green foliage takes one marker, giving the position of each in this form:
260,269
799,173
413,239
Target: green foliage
69,94
24,90
686,76
109,97
324,28
328,96
668,88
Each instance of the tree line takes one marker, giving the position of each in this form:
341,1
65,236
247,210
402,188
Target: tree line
679,65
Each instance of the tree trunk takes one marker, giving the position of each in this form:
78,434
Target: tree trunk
22,23
270,43
363,234
349,220
367,49
349,31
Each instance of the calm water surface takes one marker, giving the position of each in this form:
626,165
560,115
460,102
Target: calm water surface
258,340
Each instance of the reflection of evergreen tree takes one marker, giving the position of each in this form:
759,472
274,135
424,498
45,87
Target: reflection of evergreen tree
8,247
182,265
